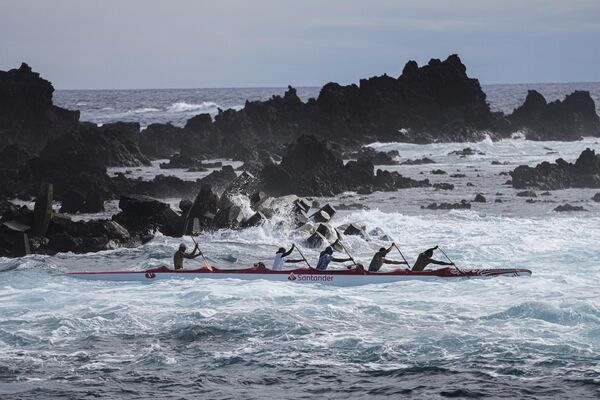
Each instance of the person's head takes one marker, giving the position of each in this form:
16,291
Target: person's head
182,247
329,250
281,250
383,250
428,252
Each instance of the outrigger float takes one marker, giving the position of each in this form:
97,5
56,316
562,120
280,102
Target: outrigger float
349,277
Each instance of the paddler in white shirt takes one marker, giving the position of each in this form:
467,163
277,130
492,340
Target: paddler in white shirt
278,260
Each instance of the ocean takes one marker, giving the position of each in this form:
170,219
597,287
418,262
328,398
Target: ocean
529,338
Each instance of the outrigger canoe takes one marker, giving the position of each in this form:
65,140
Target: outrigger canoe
350,277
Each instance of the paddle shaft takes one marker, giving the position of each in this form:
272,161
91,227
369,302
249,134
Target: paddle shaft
304,258
400,251
445,255
206,264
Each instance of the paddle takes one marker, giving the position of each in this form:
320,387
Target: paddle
196,231
399,251
458,269
344,247
302,255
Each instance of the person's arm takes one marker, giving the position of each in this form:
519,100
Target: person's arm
390,248
386,261
440,262
341,259
287,253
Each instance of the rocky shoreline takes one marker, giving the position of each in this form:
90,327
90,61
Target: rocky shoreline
290,150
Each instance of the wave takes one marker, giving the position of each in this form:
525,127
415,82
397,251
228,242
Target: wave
143,110
182,106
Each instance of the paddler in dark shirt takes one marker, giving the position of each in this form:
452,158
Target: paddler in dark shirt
425,259
379,259
181,254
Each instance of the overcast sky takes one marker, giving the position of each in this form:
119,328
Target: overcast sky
246,43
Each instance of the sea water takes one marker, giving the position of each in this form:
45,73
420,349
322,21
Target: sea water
536,337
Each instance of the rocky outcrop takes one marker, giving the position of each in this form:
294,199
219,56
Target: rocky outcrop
584,173
569,119
27,115
311,168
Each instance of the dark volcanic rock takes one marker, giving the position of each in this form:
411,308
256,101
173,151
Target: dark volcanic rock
479,198
568,207
527,193
569,119
27,115
375,157
467,151
584,173
443,186
438,172
142,215
596,198
448,206
419,161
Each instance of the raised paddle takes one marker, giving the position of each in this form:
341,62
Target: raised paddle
458,269
206,264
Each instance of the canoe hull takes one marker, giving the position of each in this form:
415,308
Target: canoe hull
353,277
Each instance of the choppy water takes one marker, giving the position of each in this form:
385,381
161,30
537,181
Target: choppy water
535,337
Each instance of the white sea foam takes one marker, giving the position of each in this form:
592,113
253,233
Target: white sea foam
182,107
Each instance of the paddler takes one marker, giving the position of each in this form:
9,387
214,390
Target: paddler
326,257
379,259
180,255
425,259
279,255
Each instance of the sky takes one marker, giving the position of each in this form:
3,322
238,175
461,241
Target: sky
128,44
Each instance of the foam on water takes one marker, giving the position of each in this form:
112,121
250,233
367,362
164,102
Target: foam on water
533,334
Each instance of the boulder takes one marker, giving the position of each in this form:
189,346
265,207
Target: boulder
327,231
596,198
568,207
316,241
527,193
479,198
256,219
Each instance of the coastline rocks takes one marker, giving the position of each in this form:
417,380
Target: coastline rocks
375,157
569,119
311,168
142,215
584,173
567,207
448,206
27,115
596,198
419,161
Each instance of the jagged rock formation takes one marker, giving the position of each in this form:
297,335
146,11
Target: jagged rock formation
311,168
27,115
584,173
569,119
